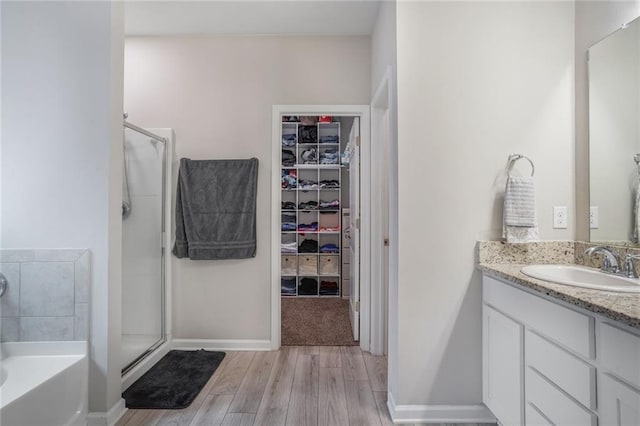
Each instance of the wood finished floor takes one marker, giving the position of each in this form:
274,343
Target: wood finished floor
295,386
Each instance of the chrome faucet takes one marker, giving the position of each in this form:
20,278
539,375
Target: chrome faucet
610,264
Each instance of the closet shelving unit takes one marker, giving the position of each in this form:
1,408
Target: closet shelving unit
306,184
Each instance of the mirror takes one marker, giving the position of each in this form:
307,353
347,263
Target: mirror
614,137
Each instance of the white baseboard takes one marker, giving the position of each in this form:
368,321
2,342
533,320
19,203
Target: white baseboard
414,413
109,418
222,345
136,372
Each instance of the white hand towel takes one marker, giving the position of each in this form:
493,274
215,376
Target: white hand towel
519,216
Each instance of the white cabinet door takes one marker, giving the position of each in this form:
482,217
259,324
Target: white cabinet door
502,347
619,403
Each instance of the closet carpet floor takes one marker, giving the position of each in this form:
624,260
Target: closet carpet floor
316,322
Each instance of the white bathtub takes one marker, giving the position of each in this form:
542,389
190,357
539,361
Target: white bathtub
43,383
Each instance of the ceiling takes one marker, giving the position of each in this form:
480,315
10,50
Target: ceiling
242,17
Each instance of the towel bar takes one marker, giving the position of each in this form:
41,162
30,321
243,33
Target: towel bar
513,158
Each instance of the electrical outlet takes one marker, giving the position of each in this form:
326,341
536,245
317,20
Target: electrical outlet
560,217
593,217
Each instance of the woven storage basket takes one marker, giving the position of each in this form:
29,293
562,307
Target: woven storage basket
308,265
288,265
329,265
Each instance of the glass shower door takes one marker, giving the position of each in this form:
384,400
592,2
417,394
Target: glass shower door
142,252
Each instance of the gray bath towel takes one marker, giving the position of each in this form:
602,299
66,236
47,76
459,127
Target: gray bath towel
216,209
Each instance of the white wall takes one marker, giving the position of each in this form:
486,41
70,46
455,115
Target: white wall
216,93
594,21
614,131
61,129
476,81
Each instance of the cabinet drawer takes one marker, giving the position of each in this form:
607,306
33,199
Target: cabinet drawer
553,404
571,374
619,352
573,329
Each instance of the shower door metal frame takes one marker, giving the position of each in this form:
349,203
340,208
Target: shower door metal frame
163,287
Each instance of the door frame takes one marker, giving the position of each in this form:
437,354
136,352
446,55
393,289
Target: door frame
363,112
381,104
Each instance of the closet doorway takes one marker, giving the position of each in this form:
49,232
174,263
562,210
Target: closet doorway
317,255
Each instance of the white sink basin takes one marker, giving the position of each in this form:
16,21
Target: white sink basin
582,276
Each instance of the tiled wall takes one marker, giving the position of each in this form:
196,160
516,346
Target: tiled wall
47,297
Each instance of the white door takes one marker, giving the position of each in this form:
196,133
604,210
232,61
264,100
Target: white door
386,156
354,231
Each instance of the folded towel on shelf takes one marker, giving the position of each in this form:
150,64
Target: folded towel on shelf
289,247
216,209
519,215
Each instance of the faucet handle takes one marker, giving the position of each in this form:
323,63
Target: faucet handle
628,269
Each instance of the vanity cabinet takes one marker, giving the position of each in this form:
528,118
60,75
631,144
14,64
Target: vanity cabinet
548,364
502,369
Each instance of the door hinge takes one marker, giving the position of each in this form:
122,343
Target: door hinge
358,223
386,242
357,140
358,306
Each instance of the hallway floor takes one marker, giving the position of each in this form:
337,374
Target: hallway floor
297,385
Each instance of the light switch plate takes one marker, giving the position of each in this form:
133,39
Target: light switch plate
560,217
594,221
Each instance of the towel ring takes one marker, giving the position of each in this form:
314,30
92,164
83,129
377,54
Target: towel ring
513,158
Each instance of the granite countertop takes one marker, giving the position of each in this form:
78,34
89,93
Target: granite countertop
622,307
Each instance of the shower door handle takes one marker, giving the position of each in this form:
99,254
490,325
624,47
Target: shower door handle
3,284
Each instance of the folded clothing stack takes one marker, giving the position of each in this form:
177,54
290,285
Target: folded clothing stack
289,139
288,158
308,134
330,205
307,184
308,287
308,246
289,179
288,205
288,286
329,184
288,222
328,288
308,227
329,156
308,205
329,139
289,247
329,248
309,156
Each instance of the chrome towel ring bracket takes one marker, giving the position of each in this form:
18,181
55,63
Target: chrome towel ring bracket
3,284
513,158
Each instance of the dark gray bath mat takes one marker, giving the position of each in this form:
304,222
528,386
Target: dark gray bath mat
174,382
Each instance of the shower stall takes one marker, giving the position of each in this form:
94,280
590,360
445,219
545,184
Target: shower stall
144,231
